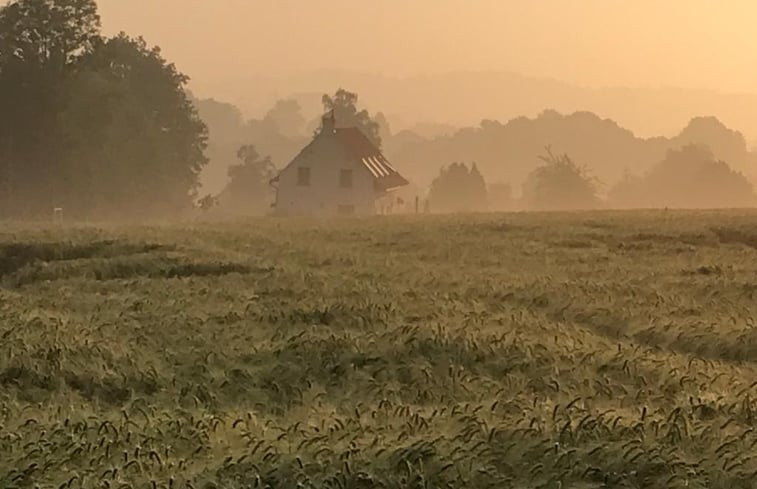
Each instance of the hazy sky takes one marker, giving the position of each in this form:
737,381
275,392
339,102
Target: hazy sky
686,43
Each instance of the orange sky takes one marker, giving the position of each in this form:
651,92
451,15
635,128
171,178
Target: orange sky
686,43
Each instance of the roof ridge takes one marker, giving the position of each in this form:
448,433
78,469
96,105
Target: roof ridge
359,147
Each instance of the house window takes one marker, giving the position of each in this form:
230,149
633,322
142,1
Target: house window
303,176
345,178
346,210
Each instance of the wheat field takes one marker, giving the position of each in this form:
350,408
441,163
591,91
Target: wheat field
580,350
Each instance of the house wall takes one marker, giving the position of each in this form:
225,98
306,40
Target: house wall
323,196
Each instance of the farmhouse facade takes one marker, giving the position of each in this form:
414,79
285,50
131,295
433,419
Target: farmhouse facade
340,172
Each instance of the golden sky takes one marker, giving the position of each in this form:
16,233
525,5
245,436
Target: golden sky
684,43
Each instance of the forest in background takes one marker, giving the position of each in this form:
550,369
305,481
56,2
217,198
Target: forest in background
105,128
625,170
99,126
464,98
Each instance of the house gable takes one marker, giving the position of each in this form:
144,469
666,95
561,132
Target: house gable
339,169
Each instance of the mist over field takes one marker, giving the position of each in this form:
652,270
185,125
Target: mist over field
339,244
129,114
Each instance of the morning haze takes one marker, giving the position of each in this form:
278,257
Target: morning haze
593,44
683,43
442,65
228,93
397,244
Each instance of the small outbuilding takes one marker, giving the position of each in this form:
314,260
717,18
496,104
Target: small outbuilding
340,172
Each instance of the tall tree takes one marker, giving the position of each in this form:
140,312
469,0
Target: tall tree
249,190
49,34
150,140
560,183
287,116
458,189
98,126
346,114
690,177
41,42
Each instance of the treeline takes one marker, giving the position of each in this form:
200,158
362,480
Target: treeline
245,153
104,128
690,177
279,134
509,151
592,162
100,127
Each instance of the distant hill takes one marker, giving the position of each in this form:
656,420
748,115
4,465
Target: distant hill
508,151
505,150
465,98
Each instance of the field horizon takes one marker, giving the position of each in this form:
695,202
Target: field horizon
553,350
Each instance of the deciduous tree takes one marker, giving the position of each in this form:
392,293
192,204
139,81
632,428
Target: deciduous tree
346,113
249,190
102,127
458,189
560,183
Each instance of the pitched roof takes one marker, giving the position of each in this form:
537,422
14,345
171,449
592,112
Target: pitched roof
359,148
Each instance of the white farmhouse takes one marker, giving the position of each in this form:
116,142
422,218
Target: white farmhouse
339,173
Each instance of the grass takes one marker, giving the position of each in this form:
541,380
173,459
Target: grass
578,350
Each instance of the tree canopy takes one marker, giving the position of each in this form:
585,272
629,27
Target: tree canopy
690,177
508,150
287,116
280,133
99,126
249,191
344,106
560,183
458,189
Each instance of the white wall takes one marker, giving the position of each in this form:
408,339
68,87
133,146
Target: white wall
324,195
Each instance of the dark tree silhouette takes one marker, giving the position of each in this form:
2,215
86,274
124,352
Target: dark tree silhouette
725,143
41,42
142,149
507,150
346,114
281,134
287,116
690,177
560,184
458,189
101,127
248,190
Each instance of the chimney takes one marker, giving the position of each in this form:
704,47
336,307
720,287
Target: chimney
328,123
